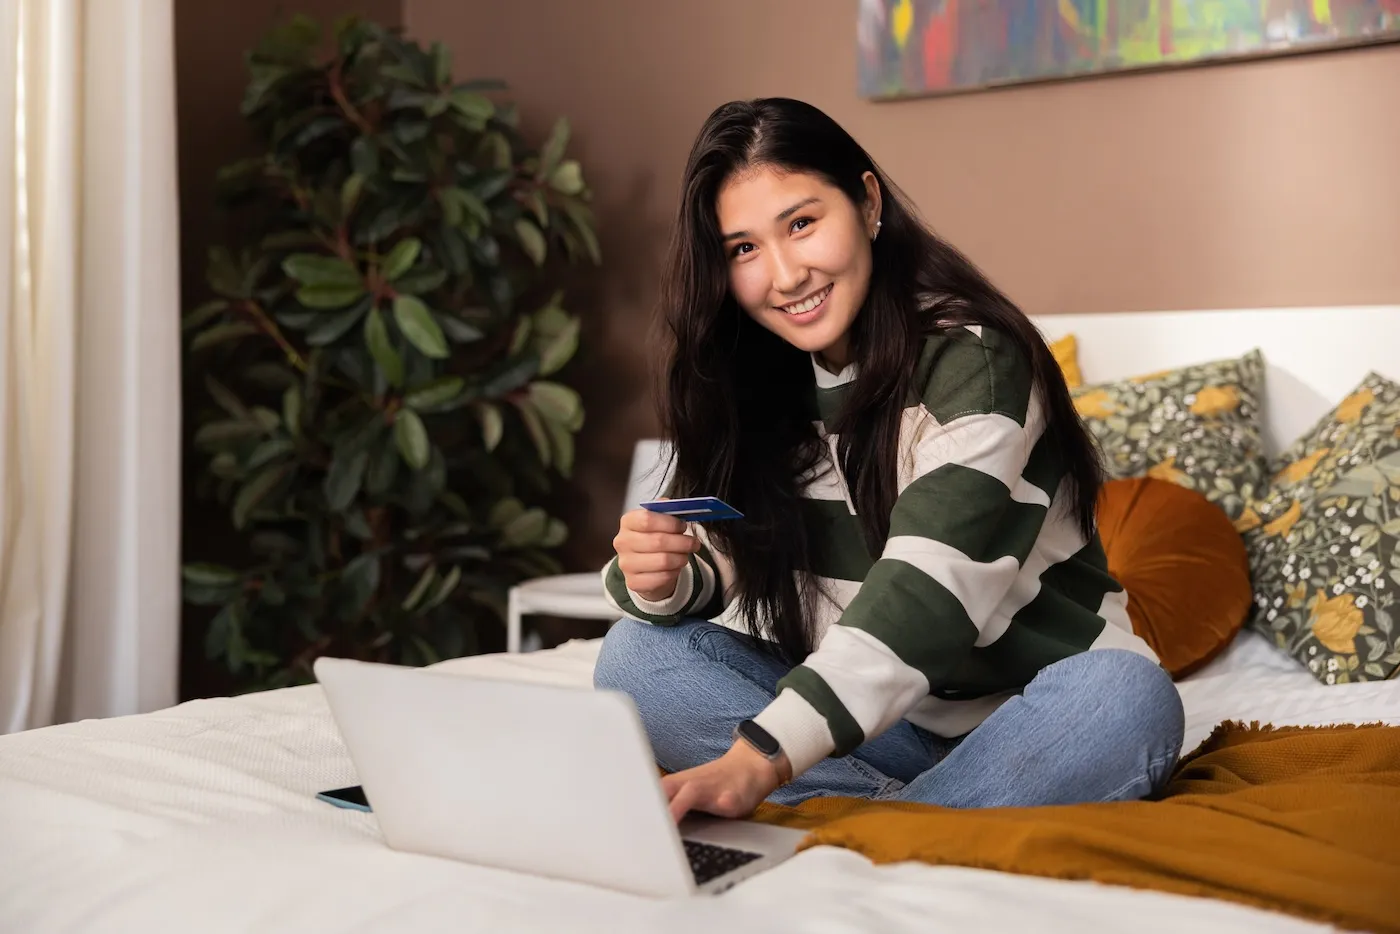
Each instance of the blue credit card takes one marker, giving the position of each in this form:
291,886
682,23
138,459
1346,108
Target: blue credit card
695,509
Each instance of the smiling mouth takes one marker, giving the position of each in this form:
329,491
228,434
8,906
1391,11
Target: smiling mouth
807,304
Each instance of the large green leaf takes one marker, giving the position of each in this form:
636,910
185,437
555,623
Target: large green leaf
327,297
216,636
444,589
382,348
225,397
364,157
204,314
412,439
221,333
457,329
210,575
269,451
221,432
560,349
561,443
528,528
401,258
555,535
332,327
420,281
425,580
567,178
553,149
437,393
350,193
292,400
359,581
255,491
311,269
531,240
496,150
343,479
316,129
418,325
558,403
492,425
534,425
511,377
473,106
505,511
582,218
383,469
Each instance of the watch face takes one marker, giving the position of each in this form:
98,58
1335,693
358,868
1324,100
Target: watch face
761,739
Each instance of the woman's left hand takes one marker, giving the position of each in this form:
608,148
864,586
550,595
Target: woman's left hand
731,786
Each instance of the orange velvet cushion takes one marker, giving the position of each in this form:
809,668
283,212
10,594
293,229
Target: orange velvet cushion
1184,567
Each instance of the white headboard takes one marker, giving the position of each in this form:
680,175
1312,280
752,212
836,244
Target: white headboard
1315,356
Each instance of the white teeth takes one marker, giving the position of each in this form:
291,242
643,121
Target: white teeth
801,308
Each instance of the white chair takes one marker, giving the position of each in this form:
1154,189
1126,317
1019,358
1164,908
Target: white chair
581,596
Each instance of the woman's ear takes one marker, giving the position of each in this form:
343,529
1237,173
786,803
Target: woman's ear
872,207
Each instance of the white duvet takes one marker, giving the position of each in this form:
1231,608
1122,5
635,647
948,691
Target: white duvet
201,818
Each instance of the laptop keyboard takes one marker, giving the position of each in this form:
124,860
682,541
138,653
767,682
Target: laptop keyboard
708,861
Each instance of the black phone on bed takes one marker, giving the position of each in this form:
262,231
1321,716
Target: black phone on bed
352,797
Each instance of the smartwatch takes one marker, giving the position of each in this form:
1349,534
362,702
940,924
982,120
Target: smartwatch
761,740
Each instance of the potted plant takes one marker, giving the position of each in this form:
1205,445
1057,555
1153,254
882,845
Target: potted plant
380,409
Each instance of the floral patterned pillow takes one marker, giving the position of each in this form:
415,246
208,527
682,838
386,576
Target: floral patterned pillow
1324,544
1197,426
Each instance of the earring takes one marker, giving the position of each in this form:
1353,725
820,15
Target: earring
878,225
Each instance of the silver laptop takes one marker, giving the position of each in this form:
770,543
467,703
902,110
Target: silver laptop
545,780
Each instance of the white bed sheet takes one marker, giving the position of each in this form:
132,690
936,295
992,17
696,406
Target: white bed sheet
201,818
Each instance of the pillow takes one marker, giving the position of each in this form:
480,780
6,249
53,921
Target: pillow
1183,565
1066,354
1197,427
1324,543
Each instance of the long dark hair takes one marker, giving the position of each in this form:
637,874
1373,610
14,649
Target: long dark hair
735,398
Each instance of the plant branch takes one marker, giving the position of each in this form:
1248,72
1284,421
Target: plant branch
270,328
337,88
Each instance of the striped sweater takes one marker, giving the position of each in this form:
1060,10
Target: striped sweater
985,578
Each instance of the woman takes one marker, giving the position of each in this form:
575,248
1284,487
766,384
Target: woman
917,600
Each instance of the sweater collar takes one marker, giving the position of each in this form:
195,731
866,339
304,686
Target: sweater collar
828,380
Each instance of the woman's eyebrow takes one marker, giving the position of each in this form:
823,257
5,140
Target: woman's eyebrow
782,216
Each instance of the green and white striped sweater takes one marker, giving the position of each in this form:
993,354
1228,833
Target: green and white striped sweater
984,580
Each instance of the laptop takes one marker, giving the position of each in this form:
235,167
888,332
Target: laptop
546,780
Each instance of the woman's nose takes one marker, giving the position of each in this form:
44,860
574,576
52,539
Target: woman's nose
789,272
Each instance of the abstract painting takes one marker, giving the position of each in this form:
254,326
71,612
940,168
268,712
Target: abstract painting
920,47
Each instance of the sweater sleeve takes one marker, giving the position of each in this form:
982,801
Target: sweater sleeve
960,530
700,590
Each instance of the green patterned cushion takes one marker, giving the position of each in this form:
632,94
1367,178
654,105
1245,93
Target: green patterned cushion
1324,543
1197,426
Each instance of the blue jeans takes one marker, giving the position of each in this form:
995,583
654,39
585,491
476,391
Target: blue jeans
1104,725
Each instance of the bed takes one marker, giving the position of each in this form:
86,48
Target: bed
202,818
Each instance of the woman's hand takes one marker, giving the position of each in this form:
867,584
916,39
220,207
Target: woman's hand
652,550
731,786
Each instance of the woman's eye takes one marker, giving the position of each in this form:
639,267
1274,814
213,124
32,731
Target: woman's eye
743,249
800,223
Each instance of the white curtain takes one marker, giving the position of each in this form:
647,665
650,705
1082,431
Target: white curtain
89,361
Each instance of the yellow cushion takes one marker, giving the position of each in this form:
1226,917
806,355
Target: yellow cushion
1183,565
1066,352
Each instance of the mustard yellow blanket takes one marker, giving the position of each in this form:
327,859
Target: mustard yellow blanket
1298,820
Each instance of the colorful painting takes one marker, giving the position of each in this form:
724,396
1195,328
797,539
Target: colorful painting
918,47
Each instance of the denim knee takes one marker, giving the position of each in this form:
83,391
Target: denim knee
632,653
1132,696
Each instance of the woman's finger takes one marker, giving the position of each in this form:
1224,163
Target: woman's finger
641,563
644,520
658,543
683,800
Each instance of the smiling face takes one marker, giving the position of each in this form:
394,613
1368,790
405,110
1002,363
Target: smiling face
799,255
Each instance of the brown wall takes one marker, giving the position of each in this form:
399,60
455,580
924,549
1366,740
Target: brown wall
211,37
1256,184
